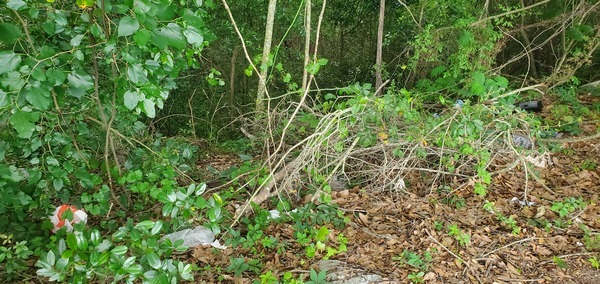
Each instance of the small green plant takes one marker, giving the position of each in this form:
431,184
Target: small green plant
509,221
416,277
134,253
453,200
589,164
594,262
13,256
559,262
438,225
591,240
462,238
240,265
567,206
420,262
317,277
267,278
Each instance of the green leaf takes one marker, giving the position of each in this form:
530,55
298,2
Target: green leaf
23,122
146,224
55,76
119,250
9,61
149,108
172,34
128,26
129,261
156,228
136,74
50,258
153,260
80,80
322,234
16,4
166,12
76,41
193,36
3,100
58,184
135,269
142,37
9,33
10,173
141,6
38,97
131,100
72,241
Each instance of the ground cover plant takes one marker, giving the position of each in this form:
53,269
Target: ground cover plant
310,141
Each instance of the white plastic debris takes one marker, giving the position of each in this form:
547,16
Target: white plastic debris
540,161
274,214
522,202
195,237
57,218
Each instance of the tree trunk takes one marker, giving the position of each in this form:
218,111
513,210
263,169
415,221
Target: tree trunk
236,51
379,60
262,80
307,19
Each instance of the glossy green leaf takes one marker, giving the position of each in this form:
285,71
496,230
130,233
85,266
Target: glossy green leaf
193,36
9,61
128,26
129,261
50,258
136,73
76,41
119,250
58,184
172,33
156,228
149,108
81,80
3,99
16,4
154,261
72,241
146,224
141,6
23,123
9,33
135,269
131,100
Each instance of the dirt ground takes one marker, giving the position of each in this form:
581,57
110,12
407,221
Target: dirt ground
547,249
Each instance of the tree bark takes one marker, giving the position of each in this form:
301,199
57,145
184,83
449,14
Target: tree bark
379,60
234,56
262,80
307,19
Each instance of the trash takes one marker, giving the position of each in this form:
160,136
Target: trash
535,106
195,237
522,202
275,214
522,141
79,216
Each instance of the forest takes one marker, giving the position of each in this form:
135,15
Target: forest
305,141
